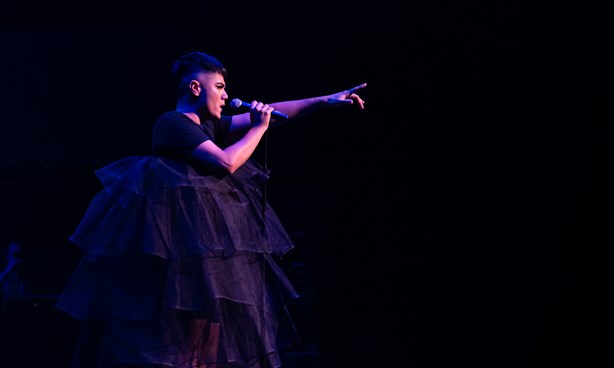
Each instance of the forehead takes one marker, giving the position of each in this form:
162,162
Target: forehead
210,78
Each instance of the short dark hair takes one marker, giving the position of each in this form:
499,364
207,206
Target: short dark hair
192,63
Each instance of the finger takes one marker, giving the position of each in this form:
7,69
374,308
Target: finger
355,96
358,100
359,87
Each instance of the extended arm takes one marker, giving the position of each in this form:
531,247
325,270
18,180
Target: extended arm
298,108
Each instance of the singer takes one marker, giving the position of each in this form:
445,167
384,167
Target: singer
178,264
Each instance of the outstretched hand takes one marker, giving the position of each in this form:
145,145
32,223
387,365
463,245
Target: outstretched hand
347,97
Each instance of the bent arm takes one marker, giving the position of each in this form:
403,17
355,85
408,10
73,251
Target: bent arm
232,157
229,158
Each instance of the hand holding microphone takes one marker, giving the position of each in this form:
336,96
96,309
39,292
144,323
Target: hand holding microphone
236,103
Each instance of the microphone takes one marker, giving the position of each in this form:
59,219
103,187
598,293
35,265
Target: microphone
236,103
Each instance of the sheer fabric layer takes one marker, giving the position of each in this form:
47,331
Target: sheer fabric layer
179,269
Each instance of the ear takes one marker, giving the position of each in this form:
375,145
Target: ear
195,87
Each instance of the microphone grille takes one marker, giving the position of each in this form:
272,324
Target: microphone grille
236,103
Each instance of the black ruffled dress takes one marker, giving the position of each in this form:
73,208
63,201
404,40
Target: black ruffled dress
179,269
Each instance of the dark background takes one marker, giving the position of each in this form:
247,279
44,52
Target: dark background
457,221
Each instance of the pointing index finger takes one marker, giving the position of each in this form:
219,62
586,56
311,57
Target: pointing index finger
361,86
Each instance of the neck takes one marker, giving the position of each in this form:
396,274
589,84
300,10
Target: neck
192,115
188,110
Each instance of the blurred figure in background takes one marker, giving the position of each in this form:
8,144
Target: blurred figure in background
12,273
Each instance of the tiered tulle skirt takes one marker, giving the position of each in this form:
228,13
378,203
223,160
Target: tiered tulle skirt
179,269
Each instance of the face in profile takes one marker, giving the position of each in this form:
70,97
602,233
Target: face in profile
212,94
